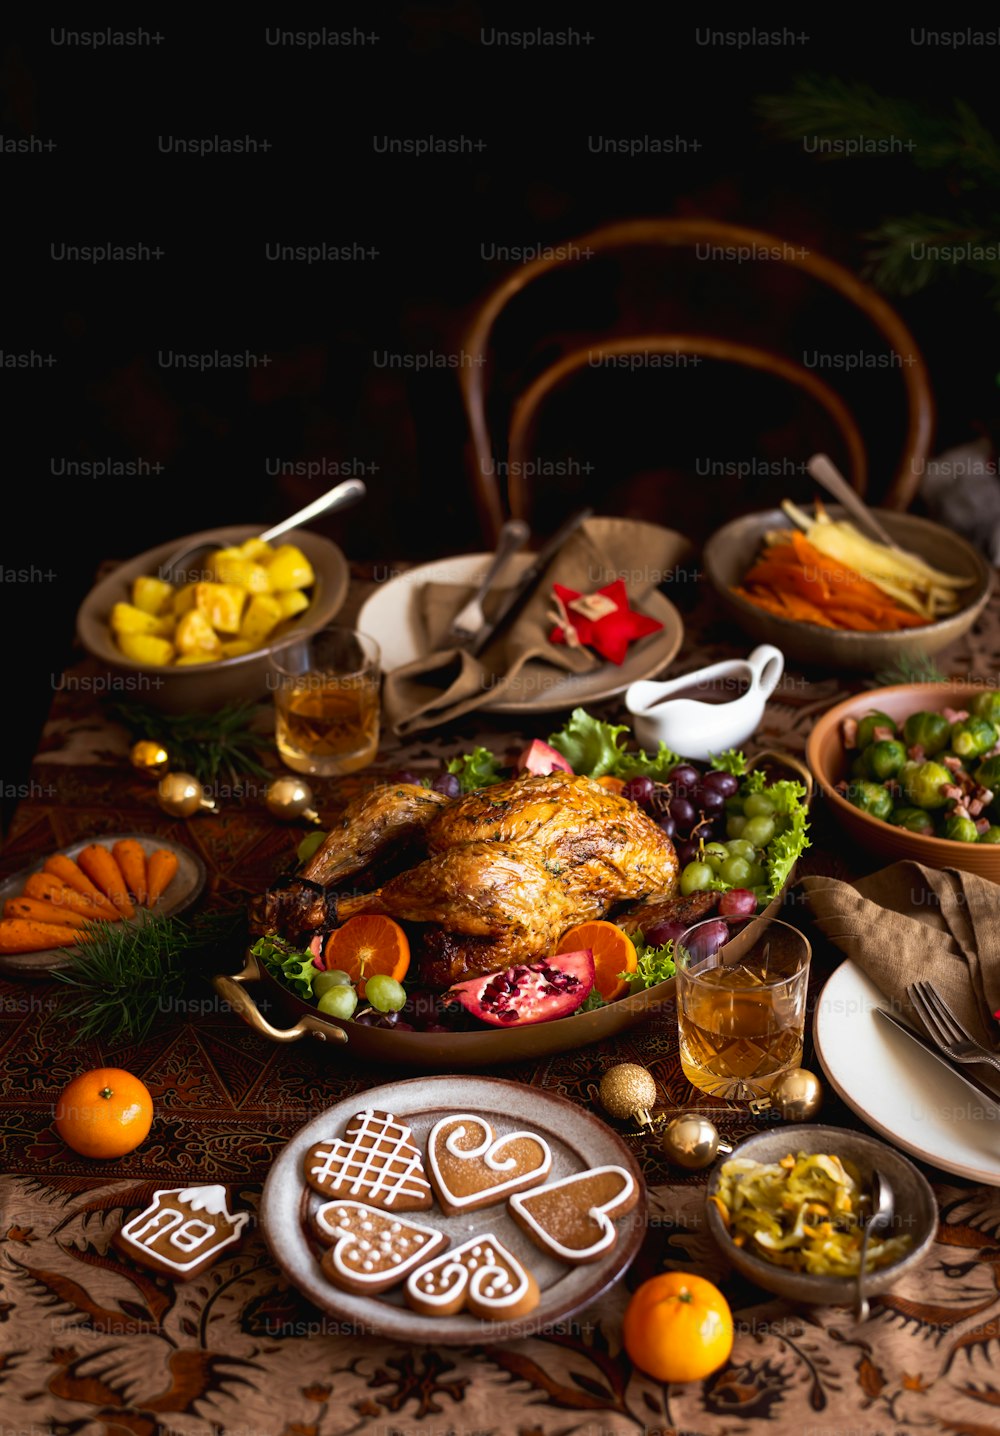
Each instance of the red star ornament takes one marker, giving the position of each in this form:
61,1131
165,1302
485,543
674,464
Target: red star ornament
601,620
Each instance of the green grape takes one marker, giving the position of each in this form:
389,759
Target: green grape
758,805
384,993
740,848
736,871
735,825
696,878
323,981
759,831
339,1001
758,875
715,855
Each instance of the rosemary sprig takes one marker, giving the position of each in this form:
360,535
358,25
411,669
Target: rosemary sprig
209,745
921,668
127,976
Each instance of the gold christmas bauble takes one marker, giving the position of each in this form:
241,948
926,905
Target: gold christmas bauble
628,1091
149,757
289,799
797,1095
181,795
692,1141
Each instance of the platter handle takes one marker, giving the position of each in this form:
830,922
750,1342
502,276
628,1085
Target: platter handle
231,990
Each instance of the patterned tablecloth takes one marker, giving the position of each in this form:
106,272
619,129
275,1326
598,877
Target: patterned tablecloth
90,1344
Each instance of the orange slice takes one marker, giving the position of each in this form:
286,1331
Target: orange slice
365,945
613,785
613,950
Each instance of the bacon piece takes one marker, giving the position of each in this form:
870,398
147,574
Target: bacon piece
882,732
849,732
954,762
916,752
951,790
955,715
982,825
975,807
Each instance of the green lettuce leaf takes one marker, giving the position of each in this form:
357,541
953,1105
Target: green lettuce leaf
592,749
478,769
731,761
655,965
784,850
293,968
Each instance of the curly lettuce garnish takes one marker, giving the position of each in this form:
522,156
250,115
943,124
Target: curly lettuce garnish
478,769
591,748
293,968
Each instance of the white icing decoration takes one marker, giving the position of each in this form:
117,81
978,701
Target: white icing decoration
335,1218
453,1270
396,1172
158,1219
598,1214
486,1151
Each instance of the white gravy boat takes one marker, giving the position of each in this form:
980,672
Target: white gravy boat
677,712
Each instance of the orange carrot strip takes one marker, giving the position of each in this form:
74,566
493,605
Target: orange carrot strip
160,869
132,861
45,888
70,873
19,935
102,868
43,912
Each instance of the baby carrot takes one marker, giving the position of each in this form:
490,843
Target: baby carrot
102,868
20,935
70,873
160,870
49,912
45,888
132,861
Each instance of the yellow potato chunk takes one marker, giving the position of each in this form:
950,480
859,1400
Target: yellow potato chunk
262,616
222,605
256,549
126,618
289,568
184,599
196,635
187,659
152,595
292,602
236,647
243,573
146,648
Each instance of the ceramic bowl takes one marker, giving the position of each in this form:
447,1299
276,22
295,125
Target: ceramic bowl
916,1212
828,759
732,549
205,687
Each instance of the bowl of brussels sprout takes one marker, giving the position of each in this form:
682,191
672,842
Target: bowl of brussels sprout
913,771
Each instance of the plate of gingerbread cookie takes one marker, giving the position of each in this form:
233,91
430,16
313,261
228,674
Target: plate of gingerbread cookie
415,1218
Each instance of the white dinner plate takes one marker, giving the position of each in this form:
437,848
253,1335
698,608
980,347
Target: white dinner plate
390,616
903,1093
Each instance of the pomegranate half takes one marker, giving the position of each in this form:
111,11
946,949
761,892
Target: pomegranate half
529,991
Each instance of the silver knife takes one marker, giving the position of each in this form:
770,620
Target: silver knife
980,1088
518,597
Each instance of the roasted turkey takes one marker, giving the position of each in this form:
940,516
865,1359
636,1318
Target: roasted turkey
508,869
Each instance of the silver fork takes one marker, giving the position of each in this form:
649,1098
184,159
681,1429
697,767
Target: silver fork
472,618
944,1027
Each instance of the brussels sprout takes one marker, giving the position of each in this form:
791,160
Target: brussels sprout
991,835
960,830
988,772
930,730
987,705
884,758
973,737
871,798
868,724
922,784
914,820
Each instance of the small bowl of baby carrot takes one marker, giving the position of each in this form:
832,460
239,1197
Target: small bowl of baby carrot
808,581
50,909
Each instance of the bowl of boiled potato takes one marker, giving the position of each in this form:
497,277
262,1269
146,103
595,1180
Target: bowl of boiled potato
206,641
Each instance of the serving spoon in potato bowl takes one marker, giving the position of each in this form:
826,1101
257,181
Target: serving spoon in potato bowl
341,496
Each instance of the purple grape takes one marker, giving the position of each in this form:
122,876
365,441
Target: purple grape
448,784
705,939
712,801
405,776
737,902
724,783
667,825
368,1018
639,790
682,812
687,851
661,932
683,775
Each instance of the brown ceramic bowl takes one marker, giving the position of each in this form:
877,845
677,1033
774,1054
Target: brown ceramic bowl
205,687
829,762
732,549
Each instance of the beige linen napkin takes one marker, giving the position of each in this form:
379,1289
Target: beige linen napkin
910,923
448,682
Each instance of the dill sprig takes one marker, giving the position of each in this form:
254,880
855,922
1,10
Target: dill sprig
212,746
921,668
128,975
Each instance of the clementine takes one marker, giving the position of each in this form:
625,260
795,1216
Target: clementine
104,1113
678,1327
614,952
366,945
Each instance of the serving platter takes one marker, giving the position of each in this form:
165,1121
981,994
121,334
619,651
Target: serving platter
185,887
577,1139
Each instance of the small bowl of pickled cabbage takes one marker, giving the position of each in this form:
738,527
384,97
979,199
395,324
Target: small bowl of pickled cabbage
788,1209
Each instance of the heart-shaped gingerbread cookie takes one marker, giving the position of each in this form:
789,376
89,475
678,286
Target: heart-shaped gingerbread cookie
471,1167
372,1250
481,1275
574,1217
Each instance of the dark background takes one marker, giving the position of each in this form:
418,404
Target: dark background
429,217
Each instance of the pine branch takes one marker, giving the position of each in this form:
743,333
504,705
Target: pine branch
912,251
209,745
